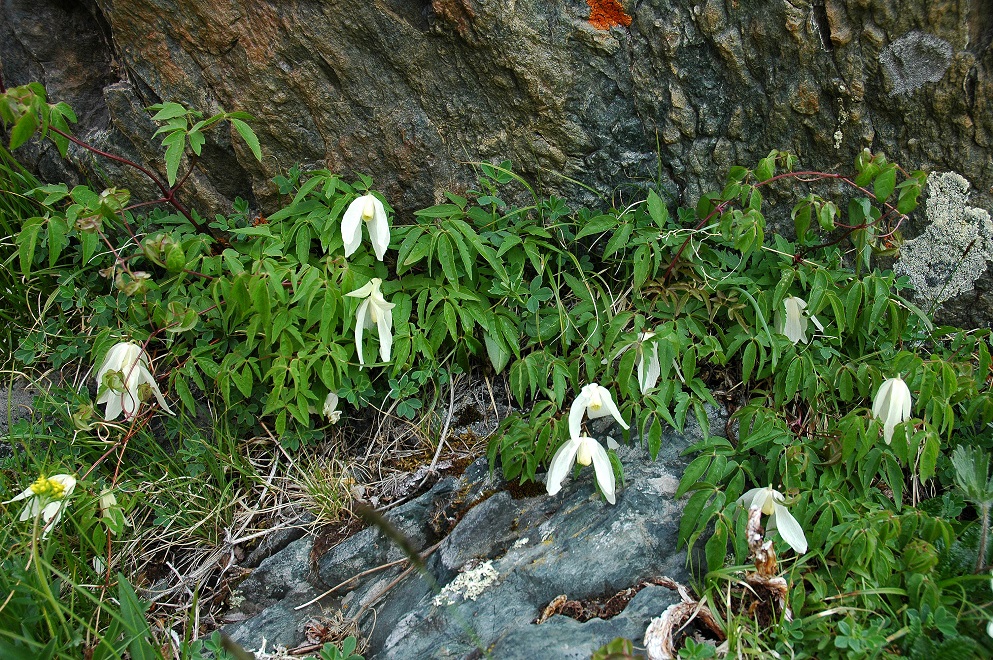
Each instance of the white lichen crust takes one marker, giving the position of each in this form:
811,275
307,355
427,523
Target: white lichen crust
951,254
469,584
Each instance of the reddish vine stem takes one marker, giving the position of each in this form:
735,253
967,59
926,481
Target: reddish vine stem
813,176
168,194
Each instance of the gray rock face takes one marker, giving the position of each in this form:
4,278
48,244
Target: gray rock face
663,93
673,92
491,576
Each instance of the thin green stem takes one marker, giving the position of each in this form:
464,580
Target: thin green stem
983,536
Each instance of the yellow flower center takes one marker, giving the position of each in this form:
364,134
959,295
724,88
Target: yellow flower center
50,488
369,211
585,455
769,505
595,403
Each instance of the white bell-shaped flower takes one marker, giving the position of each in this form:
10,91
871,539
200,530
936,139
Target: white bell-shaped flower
780,519
892,405
582,450
593,401
367,210
126,363
331,408
794,323
374,310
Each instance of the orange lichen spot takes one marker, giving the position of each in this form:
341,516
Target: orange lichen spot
605,14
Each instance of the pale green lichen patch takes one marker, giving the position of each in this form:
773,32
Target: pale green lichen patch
953,251
468,584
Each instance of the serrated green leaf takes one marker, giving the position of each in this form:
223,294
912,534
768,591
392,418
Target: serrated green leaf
657,209
248,135
748,361
885,183
692,474
166,111
175,144
596,225
27,243
929,455
23,129
717,546
446,257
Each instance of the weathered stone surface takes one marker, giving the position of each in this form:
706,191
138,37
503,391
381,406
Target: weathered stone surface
946,260
492,575
411,92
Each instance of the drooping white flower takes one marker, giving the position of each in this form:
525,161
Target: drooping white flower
780,519
47,496
593,401
331,408
374,309
649,368
367,210
892,405
794,324
120,377
582,450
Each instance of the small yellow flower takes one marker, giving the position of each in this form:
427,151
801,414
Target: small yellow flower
47,496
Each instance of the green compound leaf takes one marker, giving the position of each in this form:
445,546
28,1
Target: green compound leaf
248,135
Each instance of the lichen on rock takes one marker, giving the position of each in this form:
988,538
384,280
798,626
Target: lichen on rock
915,59
468,585
952,253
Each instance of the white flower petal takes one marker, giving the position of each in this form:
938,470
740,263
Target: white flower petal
561,464
604,470
131,360
790,529
114,405
330,405
52,510
385,323
366,289
608,407
795,324
30,509
379,229
145,376
765,500
892,405
360,321
749,499
576,413
351,226
24,495
647,379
